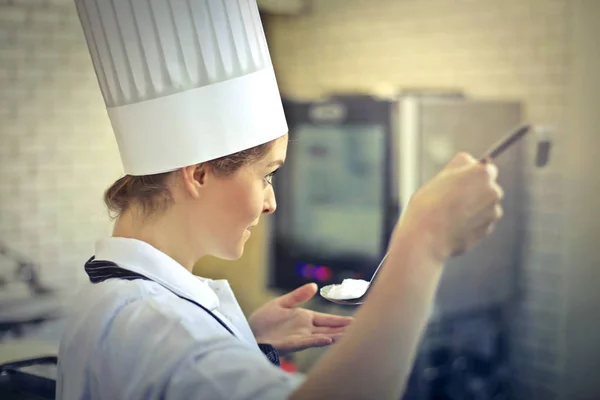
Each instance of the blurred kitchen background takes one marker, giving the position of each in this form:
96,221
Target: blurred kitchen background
379,94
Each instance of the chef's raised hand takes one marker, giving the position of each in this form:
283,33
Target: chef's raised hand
458,207
288,328
447,216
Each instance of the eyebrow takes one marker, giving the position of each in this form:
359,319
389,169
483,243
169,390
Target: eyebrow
277,163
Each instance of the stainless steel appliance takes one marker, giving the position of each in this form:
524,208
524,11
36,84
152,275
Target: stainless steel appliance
353,164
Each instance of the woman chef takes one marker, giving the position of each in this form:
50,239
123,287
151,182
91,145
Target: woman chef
192,97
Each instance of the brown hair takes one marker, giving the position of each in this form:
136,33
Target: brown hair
151,192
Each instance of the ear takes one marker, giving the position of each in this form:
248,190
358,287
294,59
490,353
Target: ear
194,178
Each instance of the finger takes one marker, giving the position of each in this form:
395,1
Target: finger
474,238
336,338
460,160
481,181
320,341
487,215
480,172
303,343
492,171
485,229
498,212
332,321
322,330
298,296
498,191
490,199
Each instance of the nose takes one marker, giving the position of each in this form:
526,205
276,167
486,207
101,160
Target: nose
270,202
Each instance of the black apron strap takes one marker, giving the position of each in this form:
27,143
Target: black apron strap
101,270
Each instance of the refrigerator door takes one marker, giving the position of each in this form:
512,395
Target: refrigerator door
440,128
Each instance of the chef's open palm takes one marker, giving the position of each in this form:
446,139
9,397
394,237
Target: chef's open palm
289,328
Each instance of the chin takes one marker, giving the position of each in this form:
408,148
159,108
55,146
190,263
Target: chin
233,253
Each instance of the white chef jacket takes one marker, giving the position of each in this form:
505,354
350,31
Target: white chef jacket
138,340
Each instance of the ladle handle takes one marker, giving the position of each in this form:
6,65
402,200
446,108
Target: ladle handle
378,267
506,142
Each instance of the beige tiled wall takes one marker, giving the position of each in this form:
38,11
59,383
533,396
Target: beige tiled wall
508,49
57,153
582,326
488,48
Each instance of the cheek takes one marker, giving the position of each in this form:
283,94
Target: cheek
256,200
246,204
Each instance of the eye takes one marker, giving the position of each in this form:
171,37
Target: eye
269,178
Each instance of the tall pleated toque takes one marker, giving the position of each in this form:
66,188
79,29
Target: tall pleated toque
196,71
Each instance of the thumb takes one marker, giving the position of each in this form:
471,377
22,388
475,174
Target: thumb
298,296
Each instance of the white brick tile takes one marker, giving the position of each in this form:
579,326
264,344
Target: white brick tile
46,16
6,73
6,34
32,38
30,3
545,319
12,15
32,48
30,73
542,298
67,3
71,19
546,221
14,54
70,39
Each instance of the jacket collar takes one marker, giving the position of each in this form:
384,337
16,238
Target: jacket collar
138,256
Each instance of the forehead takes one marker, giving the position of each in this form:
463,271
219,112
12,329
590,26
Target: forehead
278,150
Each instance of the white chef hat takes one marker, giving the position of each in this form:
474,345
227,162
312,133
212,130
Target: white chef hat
184,81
